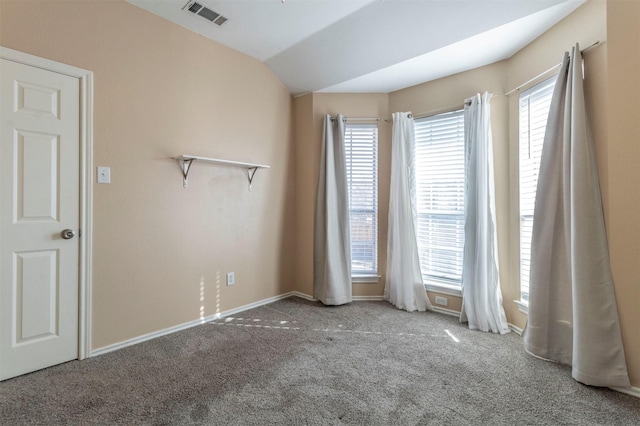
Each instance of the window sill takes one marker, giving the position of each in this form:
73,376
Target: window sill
365,279
522,306
450,290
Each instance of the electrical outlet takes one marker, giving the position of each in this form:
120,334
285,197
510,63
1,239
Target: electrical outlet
231,278
442,301
104,175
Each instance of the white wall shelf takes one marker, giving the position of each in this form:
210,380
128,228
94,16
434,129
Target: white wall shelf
187,160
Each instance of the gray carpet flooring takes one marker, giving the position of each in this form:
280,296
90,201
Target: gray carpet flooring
296,362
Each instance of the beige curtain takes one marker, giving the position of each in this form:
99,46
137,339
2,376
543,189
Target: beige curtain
332,233
573,318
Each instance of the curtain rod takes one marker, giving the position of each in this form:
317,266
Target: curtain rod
357,119
442,111
553,68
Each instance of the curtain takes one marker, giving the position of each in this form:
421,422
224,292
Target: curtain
403,288
332,234
481,294
573,317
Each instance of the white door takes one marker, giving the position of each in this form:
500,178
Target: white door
39,199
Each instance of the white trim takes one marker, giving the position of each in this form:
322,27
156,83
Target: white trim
143,338
367,298
446,311
86,179
186,325
522,306
354,298
120,345
631,390
189,324
86,213
301,295
365,279
515,329
444,289
45,64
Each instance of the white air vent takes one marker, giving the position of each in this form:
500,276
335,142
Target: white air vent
205,12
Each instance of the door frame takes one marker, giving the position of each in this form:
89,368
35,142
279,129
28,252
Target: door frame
86,180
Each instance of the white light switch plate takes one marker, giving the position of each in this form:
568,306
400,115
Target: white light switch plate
104,175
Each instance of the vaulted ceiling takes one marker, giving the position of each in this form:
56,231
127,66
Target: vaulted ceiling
368,45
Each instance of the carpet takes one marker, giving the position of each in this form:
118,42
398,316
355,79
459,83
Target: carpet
295,362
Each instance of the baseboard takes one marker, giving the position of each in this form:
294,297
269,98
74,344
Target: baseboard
450,312
515,329
367,298
631,390
302,296
120,345
186,325
354,298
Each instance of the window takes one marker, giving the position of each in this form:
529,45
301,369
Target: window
440,182
361,151
534,111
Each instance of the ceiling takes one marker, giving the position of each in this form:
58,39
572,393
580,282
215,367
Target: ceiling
369,45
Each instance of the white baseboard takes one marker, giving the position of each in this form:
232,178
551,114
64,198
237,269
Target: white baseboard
184,326
631,390
302,296
445,311
515,329
367,298
354,298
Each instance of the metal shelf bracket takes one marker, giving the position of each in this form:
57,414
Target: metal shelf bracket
186,165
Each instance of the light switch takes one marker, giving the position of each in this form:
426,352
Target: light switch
104,175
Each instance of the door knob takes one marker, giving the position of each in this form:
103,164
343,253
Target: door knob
68,234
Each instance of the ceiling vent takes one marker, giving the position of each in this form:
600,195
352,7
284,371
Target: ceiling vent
205,12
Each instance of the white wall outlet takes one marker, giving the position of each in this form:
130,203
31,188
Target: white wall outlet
104,175
442,301
231,278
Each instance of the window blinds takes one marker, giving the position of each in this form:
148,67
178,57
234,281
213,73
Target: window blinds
361,152
440,181
534,111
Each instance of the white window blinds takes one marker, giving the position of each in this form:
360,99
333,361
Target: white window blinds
534,111
361,152
440,182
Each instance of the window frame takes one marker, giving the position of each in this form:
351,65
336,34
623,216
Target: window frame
436,283
542,93
369,204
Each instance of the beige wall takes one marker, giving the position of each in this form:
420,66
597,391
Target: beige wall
162,91
310,111
306,171
621,108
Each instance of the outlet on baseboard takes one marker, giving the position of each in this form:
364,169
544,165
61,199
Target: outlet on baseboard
442,301
231,278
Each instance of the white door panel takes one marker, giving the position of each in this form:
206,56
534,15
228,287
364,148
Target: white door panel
39,198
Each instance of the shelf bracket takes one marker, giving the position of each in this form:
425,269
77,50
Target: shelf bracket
186,165
251,171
